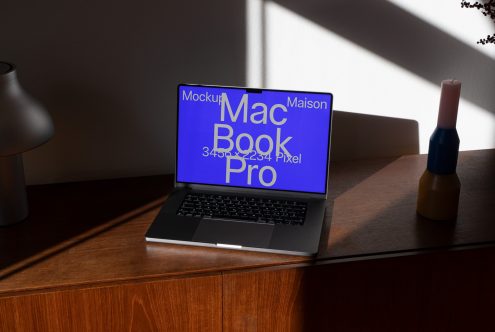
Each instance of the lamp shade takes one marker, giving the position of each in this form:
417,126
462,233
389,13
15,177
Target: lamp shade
24,124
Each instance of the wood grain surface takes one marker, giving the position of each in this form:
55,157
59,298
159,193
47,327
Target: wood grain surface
91,234
439,292
264,301
192,304
378,214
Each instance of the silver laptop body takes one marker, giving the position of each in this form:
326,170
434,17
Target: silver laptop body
180,221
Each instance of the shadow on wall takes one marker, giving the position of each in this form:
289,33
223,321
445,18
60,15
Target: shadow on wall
398,36
361,136
107,73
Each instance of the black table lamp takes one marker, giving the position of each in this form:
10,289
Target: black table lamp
24,125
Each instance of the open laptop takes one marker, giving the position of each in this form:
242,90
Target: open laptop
251,170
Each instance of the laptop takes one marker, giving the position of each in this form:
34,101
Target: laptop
251,170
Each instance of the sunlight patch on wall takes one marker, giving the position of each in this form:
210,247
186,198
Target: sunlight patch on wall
302,55
465,24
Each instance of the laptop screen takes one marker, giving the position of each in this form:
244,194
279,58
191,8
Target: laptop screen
253,138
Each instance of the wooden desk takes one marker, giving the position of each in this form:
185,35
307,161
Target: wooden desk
80,262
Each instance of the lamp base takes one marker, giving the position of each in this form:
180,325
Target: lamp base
13,199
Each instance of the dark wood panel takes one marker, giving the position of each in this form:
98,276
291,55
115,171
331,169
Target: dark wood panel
76,228
63,215
45,253
192,304
378,213
447,291
263,301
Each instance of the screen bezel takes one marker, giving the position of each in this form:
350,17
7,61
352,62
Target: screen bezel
247,190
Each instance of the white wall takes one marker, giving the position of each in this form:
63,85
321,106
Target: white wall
386,58
107,70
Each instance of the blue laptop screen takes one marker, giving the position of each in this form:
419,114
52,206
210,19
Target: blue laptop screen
253,138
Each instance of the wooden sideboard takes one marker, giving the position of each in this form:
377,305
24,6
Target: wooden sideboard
80,262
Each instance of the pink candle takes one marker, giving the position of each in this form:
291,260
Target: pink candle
449,102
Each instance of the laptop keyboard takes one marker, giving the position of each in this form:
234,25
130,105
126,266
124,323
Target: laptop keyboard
262,210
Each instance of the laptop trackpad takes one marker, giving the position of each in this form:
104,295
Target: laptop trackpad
232,232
